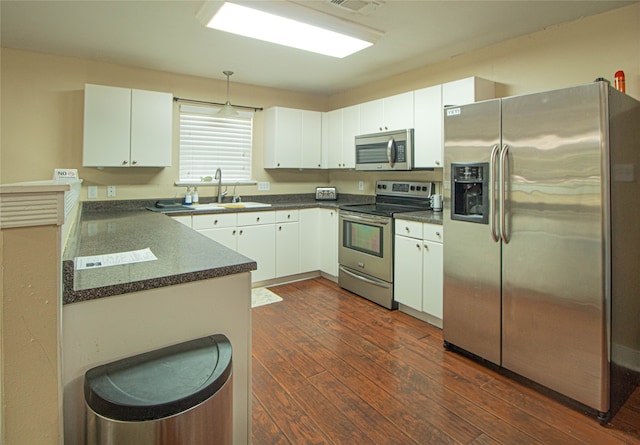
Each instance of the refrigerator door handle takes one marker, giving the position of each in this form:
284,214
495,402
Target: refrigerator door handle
492,196
503,178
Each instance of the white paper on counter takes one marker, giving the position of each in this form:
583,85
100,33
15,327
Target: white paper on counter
114,259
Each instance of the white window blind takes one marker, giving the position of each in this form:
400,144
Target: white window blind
208,142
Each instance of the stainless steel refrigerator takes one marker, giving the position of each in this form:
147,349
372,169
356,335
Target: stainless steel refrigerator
542,239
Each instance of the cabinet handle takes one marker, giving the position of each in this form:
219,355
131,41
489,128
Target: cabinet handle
437,162
125,162
134,163
288,216
437,234
233,233
426,247
280,228
418,246
278,164
241,232
258,219
407,229
215,222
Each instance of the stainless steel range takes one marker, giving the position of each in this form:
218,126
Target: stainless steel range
366,235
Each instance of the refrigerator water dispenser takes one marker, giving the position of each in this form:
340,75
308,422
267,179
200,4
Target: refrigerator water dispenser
470,192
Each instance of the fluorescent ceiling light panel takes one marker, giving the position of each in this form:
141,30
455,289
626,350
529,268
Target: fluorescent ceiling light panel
272,28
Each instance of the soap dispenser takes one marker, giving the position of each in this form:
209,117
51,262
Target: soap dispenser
188,199
195,199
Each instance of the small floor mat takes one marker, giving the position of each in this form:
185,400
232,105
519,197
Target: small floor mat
261,296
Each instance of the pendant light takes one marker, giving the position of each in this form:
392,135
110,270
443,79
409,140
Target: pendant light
227,110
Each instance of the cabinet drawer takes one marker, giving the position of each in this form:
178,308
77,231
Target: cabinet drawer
200,222
256,218
286,215
412,229
433,232
186,220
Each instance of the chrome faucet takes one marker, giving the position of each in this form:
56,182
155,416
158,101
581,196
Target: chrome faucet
218,177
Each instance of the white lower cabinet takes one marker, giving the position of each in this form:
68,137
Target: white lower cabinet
259,244
418,268
252,234
309,246
185,220
328,235
287,243
282,242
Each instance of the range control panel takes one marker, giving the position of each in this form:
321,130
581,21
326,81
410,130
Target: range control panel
405,189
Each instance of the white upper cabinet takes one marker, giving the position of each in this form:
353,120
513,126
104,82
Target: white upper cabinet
127,128
428,140
429,115
293,138
342,126
390,113
466,91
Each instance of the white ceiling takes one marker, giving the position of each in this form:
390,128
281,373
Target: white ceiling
165,35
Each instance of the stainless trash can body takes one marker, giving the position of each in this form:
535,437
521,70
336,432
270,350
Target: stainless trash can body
178,395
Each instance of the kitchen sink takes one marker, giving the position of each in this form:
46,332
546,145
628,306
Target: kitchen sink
244,205
231,205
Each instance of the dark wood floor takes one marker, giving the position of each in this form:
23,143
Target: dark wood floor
333,368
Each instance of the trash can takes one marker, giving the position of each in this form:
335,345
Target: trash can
180,394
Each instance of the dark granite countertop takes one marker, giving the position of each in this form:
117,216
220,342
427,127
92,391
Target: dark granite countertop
428,216
183,254
278,202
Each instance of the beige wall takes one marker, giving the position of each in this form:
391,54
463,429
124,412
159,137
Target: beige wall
31,395
42,101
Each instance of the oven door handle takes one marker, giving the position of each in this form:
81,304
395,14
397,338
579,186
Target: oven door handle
373,281
351,217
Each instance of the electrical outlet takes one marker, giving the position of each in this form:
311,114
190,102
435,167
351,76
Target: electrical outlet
264,186
92,192
361,185
111,191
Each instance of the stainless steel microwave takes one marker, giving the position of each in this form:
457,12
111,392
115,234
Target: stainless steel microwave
390,150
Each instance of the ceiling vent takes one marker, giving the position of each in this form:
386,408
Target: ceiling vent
364,7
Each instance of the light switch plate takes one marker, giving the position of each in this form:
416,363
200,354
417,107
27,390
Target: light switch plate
92,192
111,191
264,186
361,185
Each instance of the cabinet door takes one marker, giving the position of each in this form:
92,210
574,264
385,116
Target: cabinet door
283,135
309,252
466,91
227,236
328,235
372,116
151,125
259,244
432,279
408,280
428,135
311,143
350,129
334,139
287,249
107,126
398,112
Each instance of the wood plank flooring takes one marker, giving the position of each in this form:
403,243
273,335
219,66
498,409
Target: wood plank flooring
332,368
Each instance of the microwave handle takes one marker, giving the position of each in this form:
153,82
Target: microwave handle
391,152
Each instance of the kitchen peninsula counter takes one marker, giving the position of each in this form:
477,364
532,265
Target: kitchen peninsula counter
183,254
195,288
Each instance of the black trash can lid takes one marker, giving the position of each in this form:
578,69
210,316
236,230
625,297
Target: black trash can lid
159,383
